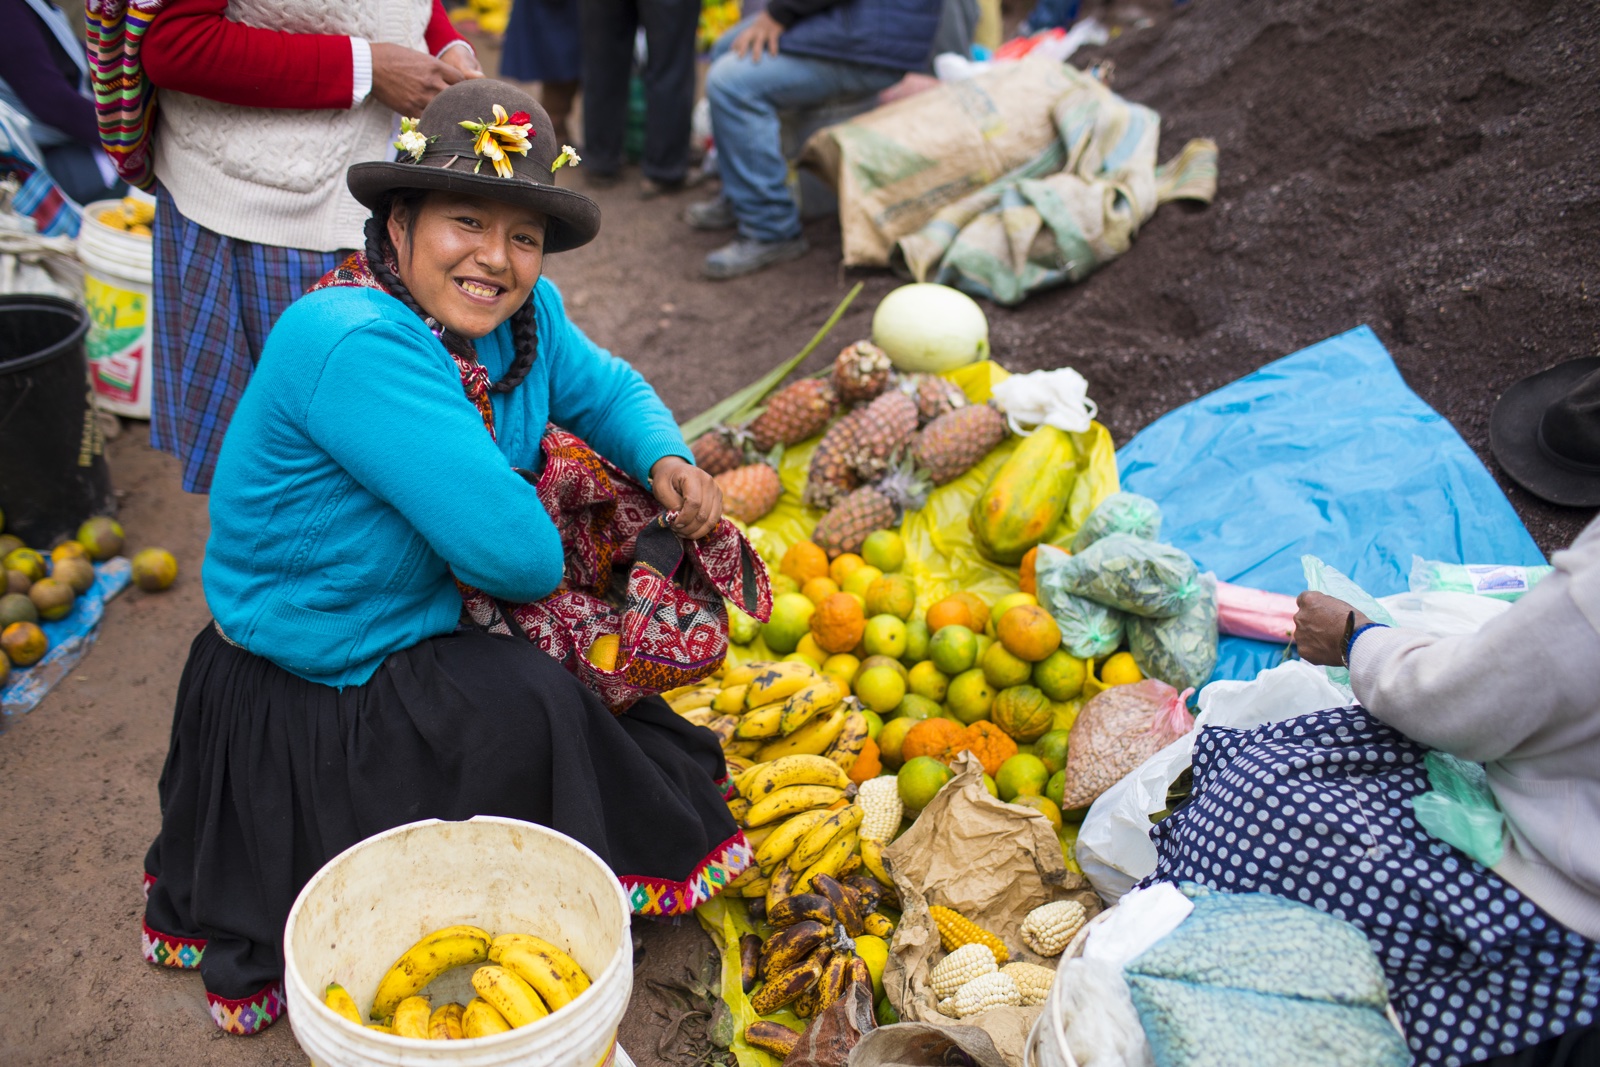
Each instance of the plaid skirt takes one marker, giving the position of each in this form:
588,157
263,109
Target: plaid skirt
214,300
1317,809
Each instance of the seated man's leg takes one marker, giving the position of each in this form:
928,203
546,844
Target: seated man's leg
746,97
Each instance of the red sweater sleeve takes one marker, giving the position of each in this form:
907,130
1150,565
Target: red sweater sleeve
193,48
441,31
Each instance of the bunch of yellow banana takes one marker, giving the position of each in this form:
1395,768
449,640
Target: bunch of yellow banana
523,978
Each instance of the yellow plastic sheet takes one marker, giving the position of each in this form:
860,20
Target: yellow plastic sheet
726,918
940,556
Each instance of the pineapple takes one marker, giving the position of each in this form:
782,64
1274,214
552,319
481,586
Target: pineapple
860,372
794,413
749,492
952,443
831,475
869,509
886,428
716,452
934,395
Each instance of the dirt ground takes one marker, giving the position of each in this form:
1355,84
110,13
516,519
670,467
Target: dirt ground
1426,168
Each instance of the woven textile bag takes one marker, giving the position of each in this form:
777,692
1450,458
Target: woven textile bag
628,574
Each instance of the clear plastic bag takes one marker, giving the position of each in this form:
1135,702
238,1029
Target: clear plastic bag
1127,513
1133,575
1460,810
1088,630
1116,732
1325,579
1502,581
1182,650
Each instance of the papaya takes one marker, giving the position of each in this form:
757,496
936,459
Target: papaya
1026,497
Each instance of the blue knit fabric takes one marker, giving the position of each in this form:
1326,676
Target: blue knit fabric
356,477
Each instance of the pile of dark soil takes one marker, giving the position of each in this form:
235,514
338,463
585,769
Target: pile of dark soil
1428,169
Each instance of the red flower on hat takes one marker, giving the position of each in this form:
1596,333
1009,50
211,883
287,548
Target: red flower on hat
522,118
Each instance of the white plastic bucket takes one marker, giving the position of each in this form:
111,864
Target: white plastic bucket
375,900
116,290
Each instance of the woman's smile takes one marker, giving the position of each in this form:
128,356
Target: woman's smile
469,262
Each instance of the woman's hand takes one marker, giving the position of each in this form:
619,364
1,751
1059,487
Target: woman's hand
406,81
461,56
1319,628
691,492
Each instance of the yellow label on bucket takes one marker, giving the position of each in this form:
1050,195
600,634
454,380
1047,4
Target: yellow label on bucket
116,338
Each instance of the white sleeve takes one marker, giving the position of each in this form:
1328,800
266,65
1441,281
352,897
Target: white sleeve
360,70
458,41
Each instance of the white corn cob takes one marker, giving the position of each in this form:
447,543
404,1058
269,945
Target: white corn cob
985,992
880,799
1048,928
960,967
1033,981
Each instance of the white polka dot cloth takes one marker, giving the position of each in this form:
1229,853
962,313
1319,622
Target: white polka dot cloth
1317,809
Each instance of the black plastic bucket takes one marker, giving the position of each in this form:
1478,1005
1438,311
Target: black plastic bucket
53,471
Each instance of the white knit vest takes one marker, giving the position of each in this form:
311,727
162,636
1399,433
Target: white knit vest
275,176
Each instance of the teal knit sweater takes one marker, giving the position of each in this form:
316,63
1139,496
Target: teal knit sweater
356,475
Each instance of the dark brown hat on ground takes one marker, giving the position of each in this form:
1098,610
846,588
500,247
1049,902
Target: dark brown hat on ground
451,163
1545,432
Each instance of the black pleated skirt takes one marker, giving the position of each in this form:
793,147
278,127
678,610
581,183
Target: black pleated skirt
269,776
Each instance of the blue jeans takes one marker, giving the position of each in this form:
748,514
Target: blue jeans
746,96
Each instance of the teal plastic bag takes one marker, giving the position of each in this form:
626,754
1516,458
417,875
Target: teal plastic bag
1502,581
1460,809
1133,575
1088,630
1182,650
1127,513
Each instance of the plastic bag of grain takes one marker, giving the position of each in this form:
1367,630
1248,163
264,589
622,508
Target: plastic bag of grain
1116,732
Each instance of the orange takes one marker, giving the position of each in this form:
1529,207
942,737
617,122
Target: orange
893,594
916,641
885,636
817,590
790,621
1022,775
154,569
1060,675
892,737
812,651
804,561
68,550
603,652
927,680
101,537
880,689
1052,749
979,608
1120,669
868,763
24,643
1005,604
860,580
844,565
939,738
970,696
838,623
869,662
953,649
950,612
1043,805
27,561
1027,577
1003,669
53,598
920,780
1028,632
842,667
990,744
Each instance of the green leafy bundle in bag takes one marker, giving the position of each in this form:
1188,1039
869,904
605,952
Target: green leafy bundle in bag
1182,650
1140,577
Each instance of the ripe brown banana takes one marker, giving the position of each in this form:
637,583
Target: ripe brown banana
849,916
805,1004
834,976
874,863
791,910
789,946
878,925
859,972
868,891
851,864
774,1038
782,988
739,808
723,726
749,961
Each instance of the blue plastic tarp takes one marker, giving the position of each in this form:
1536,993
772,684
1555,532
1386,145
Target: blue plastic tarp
70,638
1325,452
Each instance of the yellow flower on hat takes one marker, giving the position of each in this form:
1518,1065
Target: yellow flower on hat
507,133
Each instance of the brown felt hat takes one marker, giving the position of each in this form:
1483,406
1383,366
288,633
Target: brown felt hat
451,163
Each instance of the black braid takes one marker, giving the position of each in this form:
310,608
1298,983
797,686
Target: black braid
525,336
524,326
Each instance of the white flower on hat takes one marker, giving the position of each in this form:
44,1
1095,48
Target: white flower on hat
411,142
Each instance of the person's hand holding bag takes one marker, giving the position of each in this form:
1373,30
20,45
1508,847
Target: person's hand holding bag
682,487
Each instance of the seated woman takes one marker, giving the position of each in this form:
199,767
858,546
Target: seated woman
1499,965
369,468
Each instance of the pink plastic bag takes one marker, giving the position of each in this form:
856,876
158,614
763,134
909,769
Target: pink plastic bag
1255,613
1118,730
